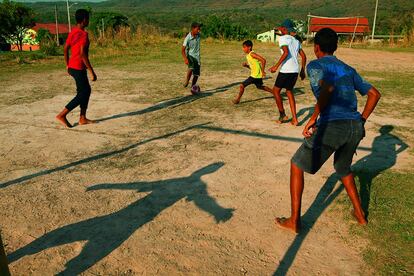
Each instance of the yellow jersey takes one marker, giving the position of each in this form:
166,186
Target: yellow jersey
255,66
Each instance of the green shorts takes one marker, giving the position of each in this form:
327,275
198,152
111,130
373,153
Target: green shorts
340,138
194,65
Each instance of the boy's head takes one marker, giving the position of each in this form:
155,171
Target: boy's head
82,17
326,42
287,27
196,28
247,46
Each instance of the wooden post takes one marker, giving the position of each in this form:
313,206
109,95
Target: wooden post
57,27
4,267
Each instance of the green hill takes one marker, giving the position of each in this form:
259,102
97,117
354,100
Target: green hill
174,15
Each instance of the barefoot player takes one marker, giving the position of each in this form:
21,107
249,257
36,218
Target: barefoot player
257,65
289,70
77,63
191,53
338,130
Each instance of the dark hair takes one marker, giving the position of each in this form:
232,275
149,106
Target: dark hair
327,39
248,43
81,15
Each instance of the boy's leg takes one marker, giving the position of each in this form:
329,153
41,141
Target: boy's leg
61,117
350,187
292,104
188,77
85,89
237,100
278,98
194,81
296,189
267,89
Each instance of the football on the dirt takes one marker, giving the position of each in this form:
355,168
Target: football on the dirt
195,89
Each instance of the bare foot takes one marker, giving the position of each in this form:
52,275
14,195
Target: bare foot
282,119
63,121
236,101
185,84
288,224
294,122
85,121
360,218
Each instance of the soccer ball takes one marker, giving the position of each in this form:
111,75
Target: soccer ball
195,89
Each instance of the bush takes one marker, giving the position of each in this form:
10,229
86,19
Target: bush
49,47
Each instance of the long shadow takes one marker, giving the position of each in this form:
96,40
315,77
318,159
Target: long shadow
309,111
259,135
382,158
297,91
174,102
92,158
125,149
106,233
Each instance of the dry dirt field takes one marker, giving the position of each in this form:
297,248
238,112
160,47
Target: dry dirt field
172,184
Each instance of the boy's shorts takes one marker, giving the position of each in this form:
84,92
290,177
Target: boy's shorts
341,137
194,65
286,80
251,80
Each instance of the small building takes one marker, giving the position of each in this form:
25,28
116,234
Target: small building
269,36
342,25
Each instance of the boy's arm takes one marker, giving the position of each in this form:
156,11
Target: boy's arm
302,71
262,62
85,59
373,97
281,59
322,103
66,53
183,53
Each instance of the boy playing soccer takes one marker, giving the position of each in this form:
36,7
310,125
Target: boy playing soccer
289,71
191,53
338,130
78,43
257,64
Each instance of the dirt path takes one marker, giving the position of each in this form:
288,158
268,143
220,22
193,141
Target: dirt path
182,186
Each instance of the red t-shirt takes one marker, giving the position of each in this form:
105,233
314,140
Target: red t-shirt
76,39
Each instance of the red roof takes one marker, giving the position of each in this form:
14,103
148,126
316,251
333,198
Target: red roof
51,27
341,25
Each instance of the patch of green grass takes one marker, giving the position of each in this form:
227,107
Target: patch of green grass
390,229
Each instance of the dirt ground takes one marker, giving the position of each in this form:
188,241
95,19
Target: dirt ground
171,184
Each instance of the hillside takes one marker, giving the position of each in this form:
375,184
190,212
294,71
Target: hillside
175,15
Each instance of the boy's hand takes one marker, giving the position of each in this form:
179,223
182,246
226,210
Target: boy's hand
273,69
309,128
186,61
263,74
93,75
244,64
302,74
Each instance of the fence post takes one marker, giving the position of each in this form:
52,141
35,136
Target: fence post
4,267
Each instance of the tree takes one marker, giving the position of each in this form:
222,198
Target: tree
15,20
108,20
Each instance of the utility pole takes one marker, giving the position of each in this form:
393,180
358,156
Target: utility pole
375,21
67,7
57,27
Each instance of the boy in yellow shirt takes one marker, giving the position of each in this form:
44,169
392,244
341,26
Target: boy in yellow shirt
257,64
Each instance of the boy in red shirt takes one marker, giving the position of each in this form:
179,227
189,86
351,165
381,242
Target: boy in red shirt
77,63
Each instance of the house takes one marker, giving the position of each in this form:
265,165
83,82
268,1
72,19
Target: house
269,36
30,42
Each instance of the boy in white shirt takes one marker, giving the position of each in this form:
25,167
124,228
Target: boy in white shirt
289,70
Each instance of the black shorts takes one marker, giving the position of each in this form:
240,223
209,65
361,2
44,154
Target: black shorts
251,80
286,80
194,65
